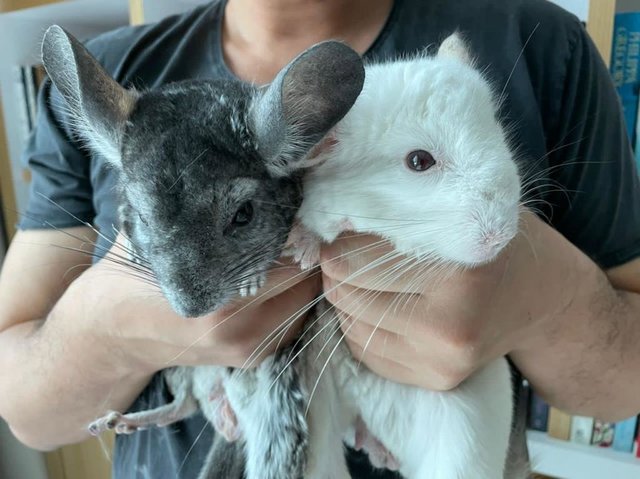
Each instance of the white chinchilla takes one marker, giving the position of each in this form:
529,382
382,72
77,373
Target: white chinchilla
422,161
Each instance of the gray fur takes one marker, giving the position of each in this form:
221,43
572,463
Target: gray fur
100,106
182,139
224,461
191,156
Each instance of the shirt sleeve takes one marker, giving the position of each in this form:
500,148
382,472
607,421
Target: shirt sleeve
591,161
60,189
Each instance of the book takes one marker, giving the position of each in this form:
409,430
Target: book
538,413
28,80
603,433
625,434
581,429
559,424
625,63
636,145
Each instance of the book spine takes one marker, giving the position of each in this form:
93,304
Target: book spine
30,93
559,425
538,413
625,62
21,97
636,145
625,433
603,433
581,429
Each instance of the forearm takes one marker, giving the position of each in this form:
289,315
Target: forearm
585,357
59,379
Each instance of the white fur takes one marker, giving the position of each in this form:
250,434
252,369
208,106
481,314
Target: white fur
448,213
437,104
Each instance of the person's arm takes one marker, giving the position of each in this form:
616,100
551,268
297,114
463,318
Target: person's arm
586,359
70,354
572,330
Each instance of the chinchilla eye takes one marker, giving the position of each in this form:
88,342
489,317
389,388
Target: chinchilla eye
244,215
143,219
420,160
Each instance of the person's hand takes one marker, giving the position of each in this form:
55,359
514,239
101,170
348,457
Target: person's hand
136,321
431,327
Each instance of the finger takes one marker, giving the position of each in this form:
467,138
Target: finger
382,366
378,341
426,374
394,312
369,262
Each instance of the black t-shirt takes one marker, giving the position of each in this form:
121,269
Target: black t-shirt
559,103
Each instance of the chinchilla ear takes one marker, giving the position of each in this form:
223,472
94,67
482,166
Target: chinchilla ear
305,100
455,47
99,106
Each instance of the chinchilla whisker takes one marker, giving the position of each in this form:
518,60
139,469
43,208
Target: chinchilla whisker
393,305
279,331
502,97
523,230
530,206
134,251
129,268
553,187
389,277
83,240
543,174
81,265
269,339
84,223
345,215
128,263
387,257
329,324
291,358
324,367
136,276
195,442
184,170
421,276
255,299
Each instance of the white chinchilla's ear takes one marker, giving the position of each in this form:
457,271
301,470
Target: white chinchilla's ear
99,106
454,46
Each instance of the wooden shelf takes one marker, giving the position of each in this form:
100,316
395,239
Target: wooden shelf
568,460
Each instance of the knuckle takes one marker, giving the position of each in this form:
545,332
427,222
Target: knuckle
448,380
332,294
243,352
336,267
464,344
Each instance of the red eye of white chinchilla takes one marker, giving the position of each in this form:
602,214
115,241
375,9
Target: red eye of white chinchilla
420,160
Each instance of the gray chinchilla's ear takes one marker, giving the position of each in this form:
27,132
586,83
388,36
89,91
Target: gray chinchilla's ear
454,46
99,106
305,100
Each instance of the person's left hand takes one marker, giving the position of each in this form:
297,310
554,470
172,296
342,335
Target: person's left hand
432,328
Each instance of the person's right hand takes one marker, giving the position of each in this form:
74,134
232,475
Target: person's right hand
136,321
